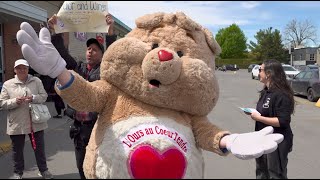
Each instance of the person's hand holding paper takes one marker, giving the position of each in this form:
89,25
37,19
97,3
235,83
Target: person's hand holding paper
82,16
249,111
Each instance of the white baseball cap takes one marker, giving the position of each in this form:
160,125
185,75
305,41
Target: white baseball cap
21,62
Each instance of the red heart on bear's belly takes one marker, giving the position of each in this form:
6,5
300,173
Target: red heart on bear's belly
147,162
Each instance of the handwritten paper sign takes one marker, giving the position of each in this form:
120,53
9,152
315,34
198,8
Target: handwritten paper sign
82,16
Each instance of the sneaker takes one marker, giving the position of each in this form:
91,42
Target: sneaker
16,176
45,175
57,116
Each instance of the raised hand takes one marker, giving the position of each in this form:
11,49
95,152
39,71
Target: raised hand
253,144
52,21
110,22
39,52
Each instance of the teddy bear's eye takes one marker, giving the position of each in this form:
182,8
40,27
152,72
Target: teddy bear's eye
180,53
155,46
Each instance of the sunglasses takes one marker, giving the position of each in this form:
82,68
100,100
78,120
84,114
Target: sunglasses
260,69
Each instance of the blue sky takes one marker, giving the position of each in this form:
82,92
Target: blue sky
250,16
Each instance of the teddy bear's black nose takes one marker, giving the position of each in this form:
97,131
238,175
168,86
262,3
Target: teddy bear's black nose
165,55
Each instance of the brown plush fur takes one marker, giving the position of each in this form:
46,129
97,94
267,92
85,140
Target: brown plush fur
188,89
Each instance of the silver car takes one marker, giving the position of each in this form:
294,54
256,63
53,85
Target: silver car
290,70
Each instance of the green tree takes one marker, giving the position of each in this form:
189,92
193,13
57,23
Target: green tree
232,41
269,45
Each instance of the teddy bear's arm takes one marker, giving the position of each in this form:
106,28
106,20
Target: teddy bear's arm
85,96
207,135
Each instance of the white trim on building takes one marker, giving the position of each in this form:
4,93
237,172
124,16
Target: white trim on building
24,10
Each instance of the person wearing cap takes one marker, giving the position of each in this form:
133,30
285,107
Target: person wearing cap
83,124
15,97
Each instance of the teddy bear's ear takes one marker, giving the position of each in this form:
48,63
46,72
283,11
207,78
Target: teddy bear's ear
214,46
150,21
186,23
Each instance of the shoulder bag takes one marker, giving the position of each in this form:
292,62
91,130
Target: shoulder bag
39,113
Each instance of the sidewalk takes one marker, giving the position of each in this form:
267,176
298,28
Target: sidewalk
60,155
5,142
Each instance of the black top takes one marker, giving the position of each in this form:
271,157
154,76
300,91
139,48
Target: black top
80,67
90,76
275,104
58,43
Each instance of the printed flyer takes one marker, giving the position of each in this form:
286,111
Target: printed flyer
82,16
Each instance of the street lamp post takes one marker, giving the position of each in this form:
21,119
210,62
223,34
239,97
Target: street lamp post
291,59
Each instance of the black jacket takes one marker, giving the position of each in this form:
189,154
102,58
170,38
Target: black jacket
93,75
58,43
277,104
80,67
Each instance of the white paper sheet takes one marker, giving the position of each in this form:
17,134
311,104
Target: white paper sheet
82,16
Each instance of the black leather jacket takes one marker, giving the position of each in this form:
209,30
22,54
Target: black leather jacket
80,68
93,75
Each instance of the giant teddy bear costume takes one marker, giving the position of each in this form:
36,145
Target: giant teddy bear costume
157,87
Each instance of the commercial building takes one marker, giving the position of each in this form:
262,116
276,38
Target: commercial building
306,56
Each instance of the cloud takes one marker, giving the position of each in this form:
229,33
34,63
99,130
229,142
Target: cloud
250,4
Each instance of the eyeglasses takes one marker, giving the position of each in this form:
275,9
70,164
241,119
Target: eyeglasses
260,69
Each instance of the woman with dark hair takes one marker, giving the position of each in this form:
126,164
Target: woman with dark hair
275,106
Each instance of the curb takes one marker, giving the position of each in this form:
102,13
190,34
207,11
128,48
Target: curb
5,147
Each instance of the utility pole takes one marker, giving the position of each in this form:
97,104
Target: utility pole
291,59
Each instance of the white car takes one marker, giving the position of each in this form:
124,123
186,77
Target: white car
255,72
290,70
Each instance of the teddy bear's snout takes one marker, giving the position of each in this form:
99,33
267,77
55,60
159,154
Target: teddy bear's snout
161,67
165,55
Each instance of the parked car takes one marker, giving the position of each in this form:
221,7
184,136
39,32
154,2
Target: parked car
306,67
250,67
232,67
255,72
290,70
306,83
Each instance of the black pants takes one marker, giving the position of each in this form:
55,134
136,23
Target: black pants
81,138
18,149
58,103
274,165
